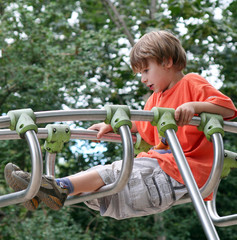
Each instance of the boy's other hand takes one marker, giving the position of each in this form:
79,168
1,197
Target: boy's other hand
102,128
184,113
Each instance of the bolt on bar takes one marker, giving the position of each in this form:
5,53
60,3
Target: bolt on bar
118,185
37,171
191,185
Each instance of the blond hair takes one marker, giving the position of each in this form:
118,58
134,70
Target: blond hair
160,46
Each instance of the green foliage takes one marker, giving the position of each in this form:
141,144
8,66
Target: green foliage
49,62
23,225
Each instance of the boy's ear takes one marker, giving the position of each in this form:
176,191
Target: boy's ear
167,63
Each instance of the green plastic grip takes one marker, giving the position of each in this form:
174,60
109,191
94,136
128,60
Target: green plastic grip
141,145
210,124
164,119
230,162
22,120
58,134
117,116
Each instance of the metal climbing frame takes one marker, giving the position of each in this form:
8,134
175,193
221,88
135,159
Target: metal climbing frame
37,171
128,155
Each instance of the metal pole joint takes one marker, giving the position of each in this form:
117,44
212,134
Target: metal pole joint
141,145
22,120
58,134
164,119
117,116
211,123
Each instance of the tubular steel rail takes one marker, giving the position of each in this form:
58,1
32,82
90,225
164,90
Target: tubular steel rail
37,171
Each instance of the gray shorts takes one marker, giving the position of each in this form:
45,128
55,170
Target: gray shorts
149,190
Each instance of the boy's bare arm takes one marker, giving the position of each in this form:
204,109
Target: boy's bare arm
186,111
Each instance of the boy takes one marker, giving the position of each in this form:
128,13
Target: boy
155,182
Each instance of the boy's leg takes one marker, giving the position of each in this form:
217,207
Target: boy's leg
149,190
54,192
86,182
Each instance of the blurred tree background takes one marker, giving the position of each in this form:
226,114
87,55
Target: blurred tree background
74,54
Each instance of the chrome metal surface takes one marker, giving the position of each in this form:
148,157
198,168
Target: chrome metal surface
50,163
36,174
100,115
191,185
222,221
83,134
217,166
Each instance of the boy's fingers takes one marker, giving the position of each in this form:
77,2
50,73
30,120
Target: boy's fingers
101,132
177,114
93,127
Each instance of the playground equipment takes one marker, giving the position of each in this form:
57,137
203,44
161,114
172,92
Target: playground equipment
23,124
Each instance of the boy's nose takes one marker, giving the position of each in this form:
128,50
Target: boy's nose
143,79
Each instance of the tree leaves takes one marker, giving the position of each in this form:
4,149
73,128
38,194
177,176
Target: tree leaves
60,54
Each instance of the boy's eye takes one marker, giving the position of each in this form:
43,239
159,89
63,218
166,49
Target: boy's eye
145,70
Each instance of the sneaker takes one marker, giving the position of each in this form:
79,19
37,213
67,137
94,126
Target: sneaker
32,204
49,193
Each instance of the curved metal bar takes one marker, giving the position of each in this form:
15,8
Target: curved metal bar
191,185
37,171
4,122
122,180
217,166
216,170
224,221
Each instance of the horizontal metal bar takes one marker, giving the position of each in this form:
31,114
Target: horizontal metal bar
4,122
83,134
70,115
100,115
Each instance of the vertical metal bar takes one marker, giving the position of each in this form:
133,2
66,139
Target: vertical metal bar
121,181
191,185
36,176
50,163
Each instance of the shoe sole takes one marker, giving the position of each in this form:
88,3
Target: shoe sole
53,199
32,204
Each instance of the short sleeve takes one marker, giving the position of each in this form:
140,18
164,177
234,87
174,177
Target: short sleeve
205,92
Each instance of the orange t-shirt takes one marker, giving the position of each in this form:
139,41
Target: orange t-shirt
197,149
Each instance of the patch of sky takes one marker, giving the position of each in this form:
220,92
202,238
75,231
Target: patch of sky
212,74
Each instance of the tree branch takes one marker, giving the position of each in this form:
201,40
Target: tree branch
120,22
152,9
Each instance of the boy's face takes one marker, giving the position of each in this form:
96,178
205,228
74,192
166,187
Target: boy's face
155,76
